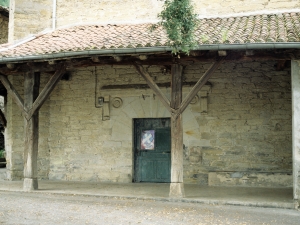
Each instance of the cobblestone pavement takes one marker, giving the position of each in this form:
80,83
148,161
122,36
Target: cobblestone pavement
41,208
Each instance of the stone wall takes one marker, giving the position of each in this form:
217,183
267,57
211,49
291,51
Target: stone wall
243,138
35,16
129,10
3,29
29,17
248,125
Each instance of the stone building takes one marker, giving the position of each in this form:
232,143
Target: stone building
3,23
96,119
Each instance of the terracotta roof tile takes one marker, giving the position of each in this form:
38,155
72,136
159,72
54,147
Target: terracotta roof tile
272,28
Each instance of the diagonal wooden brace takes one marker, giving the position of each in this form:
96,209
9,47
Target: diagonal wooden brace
14,93
165,101
46,91
27,113
201,82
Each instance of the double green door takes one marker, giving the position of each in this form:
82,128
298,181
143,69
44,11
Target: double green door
152,151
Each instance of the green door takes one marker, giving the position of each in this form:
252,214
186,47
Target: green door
152,150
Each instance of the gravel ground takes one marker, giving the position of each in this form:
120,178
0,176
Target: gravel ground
41,208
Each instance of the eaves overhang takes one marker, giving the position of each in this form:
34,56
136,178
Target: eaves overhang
148,50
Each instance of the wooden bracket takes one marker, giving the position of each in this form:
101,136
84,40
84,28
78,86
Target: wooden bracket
13,92
27,113
46,90
176,110
201,82
165,101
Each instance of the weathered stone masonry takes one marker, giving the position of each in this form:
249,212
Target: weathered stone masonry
3,29
31,17
244,138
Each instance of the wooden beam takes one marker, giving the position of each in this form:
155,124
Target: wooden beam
46,91
13,92
201,82
152,59
165,101
176,186
143,86
3,119
31,91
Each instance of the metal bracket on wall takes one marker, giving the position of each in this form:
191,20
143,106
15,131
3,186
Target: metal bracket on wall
105,108
203,99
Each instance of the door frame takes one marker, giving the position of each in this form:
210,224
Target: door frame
135,167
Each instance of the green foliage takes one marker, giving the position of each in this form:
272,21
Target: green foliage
4,3
2,153
179,21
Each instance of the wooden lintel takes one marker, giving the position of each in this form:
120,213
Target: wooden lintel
201,82
25,67
165,101
46,91
154,59
143,86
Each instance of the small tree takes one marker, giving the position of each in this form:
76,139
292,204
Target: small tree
179,21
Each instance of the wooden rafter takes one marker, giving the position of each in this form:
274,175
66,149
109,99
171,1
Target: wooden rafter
152,59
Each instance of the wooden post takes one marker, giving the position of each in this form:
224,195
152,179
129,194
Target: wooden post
295,73
176,186
176,107
31,92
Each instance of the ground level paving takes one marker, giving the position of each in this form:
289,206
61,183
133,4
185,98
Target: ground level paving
243,196
25,208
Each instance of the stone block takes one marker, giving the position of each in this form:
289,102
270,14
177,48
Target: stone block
248,179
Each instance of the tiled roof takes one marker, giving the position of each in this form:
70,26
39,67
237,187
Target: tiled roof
274,28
